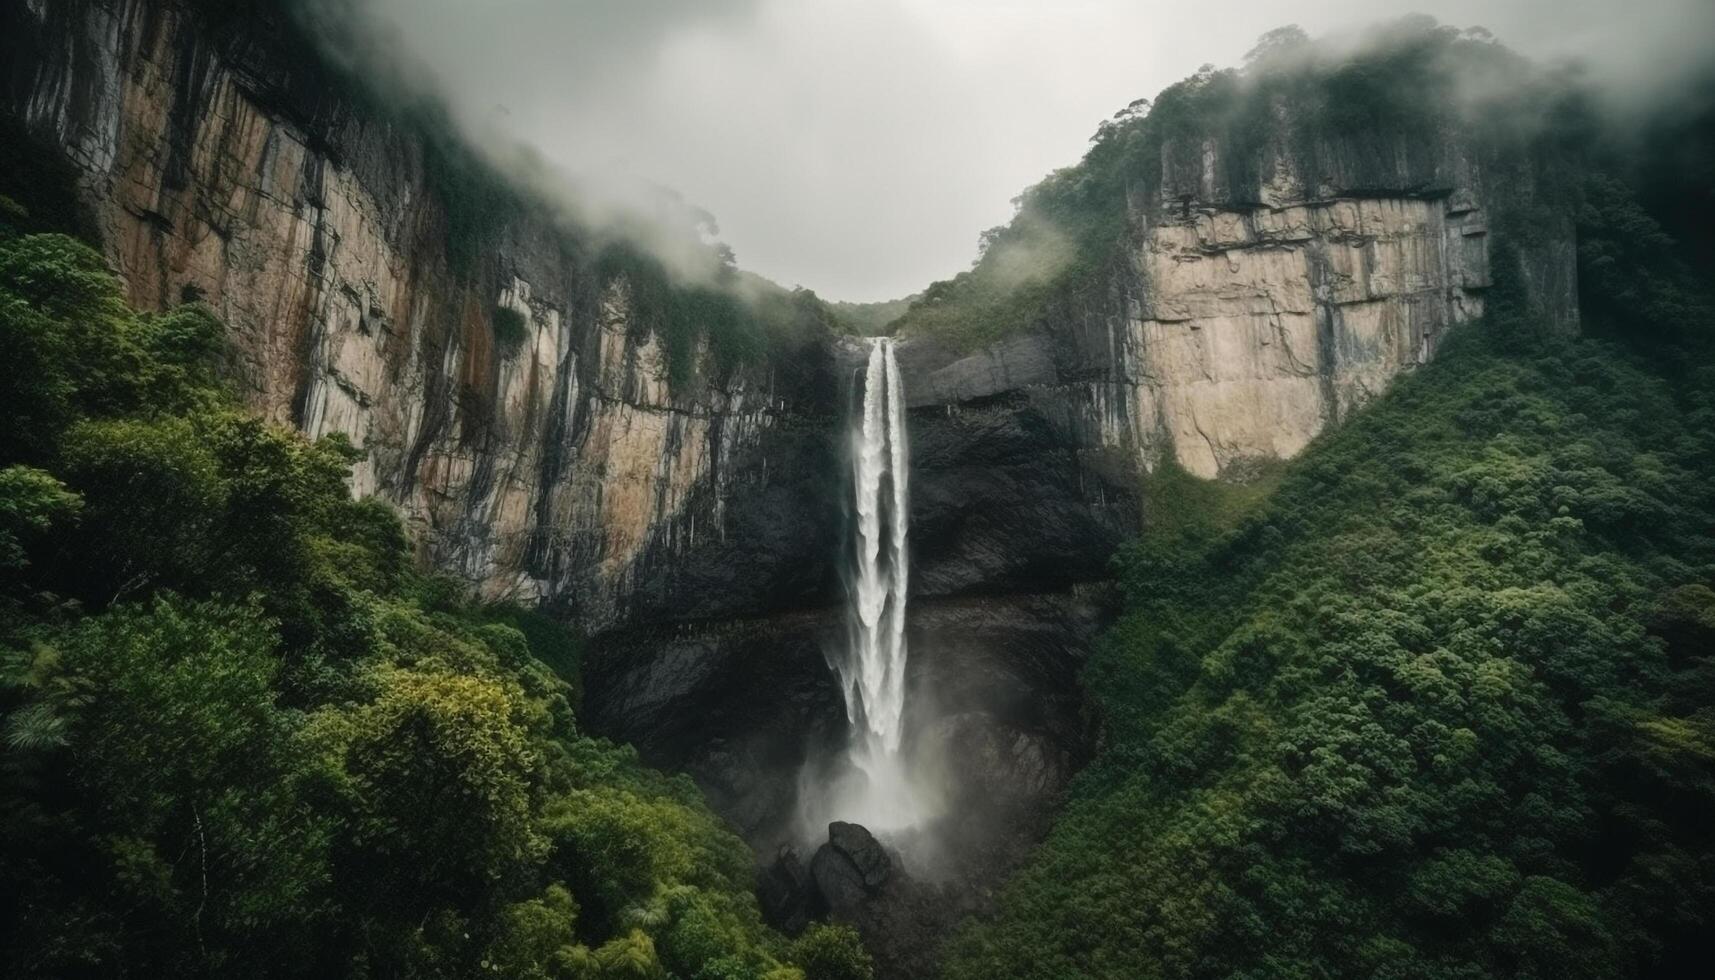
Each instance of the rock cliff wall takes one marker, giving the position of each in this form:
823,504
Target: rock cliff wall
1245,316
220,163
1264,292
1260,295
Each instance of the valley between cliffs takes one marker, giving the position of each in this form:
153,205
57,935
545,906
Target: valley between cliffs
693,526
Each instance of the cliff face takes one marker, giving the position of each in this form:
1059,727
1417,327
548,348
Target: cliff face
1265,292
1246,316
219,166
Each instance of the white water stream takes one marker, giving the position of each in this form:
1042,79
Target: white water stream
872,670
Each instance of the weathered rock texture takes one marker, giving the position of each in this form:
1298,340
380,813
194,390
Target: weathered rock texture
1265,294
1246,317
221,164
1261,295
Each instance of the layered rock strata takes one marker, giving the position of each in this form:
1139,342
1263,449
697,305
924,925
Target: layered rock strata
1241,318
221,163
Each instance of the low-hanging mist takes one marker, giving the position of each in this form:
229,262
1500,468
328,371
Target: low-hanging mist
903,125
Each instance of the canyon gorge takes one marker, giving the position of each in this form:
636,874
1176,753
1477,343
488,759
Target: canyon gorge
526,419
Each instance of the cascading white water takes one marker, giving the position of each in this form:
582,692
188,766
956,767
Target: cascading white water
872,670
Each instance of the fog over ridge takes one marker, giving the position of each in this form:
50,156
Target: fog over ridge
857,147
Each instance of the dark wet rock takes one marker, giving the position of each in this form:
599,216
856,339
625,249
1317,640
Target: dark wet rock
773,544
1009,491
838,882
742,705
1008,767
787,893
1003,499
859,846
993,703
903,919
737,704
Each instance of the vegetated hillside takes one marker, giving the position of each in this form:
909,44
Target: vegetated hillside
872,319
243,738
1370,117
1443,703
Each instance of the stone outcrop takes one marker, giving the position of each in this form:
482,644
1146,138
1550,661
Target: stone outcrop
850,865
787,893
1242,320
904,919
1238,336
1256,330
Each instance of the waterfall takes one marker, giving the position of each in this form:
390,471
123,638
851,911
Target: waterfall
872,670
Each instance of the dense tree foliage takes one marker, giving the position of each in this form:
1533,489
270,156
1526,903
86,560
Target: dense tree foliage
1436,700
241,737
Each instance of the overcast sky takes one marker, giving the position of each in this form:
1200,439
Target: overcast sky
858,146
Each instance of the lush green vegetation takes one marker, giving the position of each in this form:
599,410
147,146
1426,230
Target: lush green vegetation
1441,703
241,737
1356,111
871,319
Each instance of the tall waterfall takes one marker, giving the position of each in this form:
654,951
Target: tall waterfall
872,671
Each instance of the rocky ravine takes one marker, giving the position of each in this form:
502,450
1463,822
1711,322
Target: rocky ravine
1241,321
697,532
1237,325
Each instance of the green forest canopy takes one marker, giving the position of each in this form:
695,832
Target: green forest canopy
1443,704
242,737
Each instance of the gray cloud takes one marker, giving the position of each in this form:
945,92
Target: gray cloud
858,146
